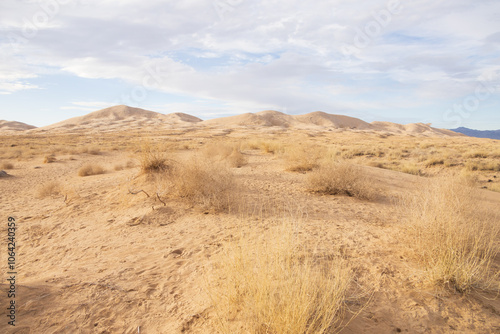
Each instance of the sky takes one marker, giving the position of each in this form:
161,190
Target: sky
401,61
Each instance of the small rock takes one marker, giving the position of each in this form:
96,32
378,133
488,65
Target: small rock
3,173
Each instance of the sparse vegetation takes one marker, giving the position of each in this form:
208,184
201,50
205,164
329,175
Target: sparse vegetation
49,159
52,188
268,283
201,182
453,235
225,152
90,169
153,160
340,178
300,158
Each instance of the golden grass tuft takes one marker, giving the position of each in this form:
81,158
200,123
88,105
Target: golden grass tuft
452,234
90,169
153,160
204,183
51,188
302,158
49,159
268,283
225,152
340,178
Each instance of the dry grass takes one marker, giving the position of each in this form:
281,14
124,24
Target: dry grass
203,183
49,159
90,169
52,188
452,234
225,152
268,283
7,165
340,178
300,158
153,160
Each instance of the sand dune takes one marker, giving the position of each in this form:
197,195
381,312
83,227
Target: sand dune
121,118
412,128
124,118
9,126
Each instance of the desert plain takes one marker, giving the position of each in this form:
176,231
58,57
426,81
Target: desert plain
129,221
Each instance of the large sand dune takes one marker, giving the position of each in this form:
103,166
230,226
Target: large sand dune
121,118
124,118
10,126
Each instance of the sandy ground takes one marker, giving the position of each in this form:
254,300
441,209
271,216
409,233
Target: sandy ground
102,260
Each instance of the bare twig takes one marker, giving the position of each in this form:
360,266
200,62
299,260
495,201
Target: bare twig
135,193
164,204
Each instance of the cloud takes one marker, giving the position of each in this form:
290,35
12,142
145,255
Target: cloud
330,54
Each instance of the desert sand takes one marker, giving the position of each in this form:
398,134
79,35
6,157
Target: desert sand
121,252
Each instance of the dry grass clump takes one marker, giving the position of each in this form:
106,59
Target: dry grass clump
7,165
204,183
268,283
49,159
153,160
230,153
341,178
51,188
302,158
453,236
90,169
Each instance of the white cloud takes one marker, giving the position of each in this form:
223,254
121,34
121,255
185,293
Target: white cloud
263,53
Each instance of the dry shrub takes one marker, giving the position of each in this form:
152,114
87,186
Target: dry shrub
52,188
6,165
268,283
412,169
302,158
434,162
230,153
90,169
49,159
341,178
153,159
453,236
201,182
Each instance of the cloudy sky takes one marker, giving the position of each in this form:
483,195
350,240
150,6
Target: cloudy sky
407,61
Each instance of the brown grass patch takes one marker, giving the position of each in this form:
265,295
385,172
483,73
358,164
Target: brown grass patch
203,183
269,283
302,158
90,169
452,234
49,159
153,160
52,188
340,178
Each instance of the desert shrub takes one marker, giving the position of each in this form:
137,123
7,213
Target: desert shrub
49,159
434,162
6,165
453,236
52,188
90,169
300,158
152,159
409,168
229,153
340,178
204,183
268,283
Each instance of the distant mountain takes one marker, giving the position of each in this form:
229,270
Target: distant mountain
121,118
14,126
492,134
